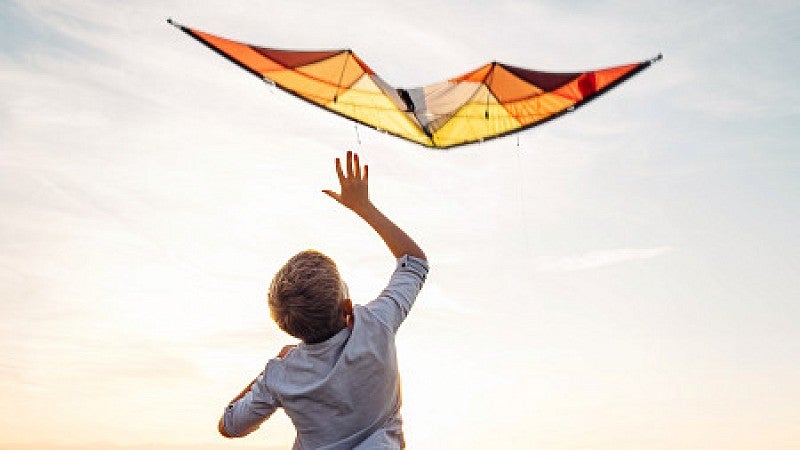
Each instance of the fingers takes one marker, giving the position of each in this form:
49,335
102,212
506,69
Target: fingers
339,170
356,167
352,171
349,164
366,173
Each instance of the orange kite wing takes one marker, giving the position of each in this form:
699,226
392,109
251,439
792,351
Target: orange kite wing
491,101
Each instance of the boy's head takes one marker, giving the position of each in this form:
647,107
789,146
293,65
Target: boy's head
308,299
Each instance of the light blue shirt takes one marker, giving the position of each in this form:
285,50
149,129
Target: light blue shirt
343,393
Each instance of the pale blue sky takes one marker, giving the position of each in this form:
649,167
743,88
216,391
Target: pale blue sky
624,277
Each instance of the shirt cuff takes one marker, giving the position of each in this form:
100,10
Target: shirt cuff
408,263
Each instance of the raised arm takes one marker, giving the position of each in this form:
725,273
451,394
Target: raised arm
354,183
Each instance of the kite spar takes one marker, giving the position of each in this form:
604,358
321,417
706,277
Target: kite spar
491,101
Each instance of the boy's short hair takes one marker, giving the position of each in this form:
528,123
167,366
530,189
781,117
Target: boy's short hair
305,297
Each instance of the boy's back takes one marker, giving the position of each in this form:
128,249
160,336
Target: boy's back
343,392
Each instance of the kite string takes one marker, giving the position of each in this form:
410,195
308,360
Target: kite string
358,138
523,206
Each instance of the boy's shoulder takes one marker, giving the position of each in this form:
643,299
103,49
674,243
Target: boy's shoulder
396,300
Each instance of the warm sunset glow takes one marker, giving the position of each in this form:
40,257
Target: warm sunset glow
622,278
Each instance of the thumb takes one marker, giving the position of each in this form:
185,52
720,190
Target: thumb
333,195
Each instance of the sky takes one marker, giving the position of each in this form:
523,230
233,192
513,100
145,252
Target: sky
624,277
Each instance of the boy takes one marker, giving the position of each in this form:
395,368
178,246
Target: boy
340,385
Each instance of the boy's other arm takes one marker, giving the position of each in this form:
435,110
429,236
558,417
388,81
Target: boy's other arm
354,195
221,423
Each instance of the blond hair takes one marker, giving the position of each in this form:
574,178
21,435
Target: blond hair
305,297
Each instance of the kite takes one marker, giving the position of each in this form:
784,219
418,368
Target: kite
491,101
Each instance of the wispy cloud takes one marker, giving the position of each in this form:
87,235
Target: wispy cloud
602,258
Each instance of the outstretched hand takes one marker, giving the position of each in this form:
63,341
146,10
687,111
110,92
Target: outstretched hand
354,183
355,196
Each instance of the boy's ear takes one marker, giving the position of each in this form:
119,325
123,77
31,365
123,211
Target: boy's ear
347,307
347,310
